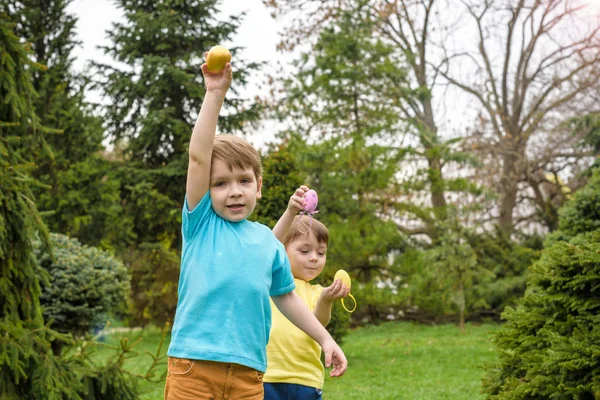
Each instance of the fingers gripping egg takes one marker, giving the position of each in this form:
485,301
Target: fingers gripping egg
343,275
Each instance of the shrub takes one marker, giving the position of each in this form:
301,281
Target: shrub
85,284
550,345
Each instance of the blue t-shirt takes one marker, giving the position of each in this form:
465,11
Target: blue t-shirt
228,271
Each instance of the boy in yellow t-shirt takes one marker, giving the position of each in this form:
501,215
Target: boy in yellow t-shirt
294,369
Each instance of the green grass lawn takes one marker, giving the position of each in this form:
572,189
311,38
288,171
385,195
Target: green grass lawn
390,361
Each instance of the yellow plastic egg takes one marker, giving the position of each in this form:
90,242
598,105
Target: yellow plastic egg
345,278
343,275
216,58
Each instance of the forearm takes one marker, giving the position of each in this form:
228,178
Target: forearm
205,128
323,311
295,310
283,225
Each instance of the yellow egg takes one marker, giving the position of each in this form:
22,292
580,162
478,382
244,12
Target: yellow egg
216,58
343,275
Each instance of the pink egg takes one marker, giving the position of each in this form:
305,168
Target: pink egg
310,201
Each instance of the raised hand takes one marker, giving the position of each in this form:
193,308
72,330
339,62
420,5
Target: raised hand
296,203
219,81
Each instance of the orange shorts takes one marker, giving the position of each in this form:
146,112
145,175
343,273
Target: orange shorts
197,379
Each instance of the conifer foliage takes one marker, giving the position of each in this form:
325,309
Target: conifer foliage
550,345
79,197
29,368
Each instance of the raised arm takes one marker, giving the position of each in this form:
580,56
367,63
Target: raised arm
203,135
295,204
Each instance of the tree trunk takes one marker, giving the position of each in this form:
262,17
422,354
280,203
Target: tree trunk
436,179
508,189
462,307
430,140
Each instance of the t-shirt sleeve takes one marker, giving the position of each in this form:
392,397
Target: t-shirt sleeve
192,220
283,280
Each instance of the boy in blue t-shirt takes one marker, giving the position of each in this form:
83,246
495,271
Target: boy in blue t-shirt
230,267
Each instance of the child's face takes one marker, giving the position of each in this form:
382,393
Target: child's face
233,192
307,257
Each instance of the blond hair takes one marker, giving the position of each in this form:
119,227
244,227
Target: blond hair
236,153
302,225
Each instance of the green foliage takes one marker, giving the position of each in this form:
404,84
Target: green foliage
339,323
152,209
360,241
424,297
84,283
454,264
19,218
86,204
155,272
582,213
378,301
550,342
589,125
439,282
29,368
490,267
549,346
505,262
76,198
281,178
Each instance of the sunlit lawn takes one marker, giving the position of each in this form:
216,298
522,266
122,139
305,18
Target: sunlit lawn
390,361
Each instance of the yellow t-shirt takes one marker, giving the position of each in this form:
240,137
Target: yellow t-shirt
292,356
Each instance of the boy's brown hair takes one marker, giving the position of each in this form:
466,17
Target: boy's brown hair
236,153
302,225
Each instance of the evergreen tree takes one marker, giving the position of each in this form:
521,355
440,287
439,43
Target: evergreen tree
155,94
79,199
549,346
19,127
29,368
504,263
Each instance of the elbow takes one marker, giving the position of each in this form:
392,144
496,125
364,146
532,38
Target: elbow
197,160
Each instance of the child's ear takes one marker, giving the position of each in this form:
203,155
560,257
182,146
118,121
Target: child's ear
259,188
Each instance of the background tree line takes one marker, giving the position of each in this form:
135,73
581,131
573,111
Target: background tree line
434,222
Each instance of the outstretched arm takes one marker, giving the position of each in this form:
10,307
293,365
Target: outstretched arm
295,204
294,309
203,135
